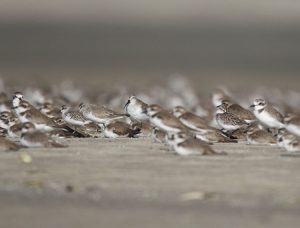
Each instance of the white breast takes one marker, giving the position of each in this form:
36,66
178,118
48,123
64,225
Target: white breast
110,134
26,143
182,151
136,112
268,120
160,124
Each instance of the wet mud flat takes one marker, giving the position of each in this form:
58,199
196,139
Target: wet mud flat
135,183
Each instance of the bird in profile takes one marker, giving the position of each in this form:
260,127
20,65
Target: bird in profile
31,137
136,109
164,120
228,121
99,113
267,114
8,145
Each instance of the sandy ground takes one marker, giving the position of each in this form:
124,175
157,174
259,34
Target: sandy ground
135,183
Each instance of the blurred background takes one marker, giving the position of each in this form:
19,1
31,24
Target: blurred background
99,42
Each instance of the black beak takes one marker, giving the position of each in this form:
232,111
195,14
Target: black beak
219,106
128,102
252,106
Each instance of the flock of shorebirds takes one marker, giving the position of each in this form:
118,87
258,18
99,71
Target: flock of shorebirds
40,119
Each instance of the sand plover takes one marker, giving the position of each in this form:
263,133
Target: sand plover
31,114
239,111
31,137
120,129
158,135
164,120
136,109
185,145
292,123
100,114
17,98
7,145
281,135
50,110
227,121
291,143
214,136
191,120
267,114
15,130
73,117
255,135
6,119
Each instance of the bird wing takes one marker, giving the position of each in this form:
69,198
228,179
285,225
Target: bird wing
241,112
193,121
170,120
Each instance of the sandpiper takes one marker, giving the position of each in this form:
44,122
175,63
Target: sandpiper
239,111
73,117
228,121
100,114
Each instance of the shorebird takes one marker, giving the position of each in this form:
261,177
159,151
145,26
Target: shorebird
227,121
7,119
50,110
17,98
158,135
120,129
136,109
100,114
291,143
15,130
185,145
190,120
239,111
73,117
267,114
31,137
7,145
214,136
164,120
28,113
255,135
